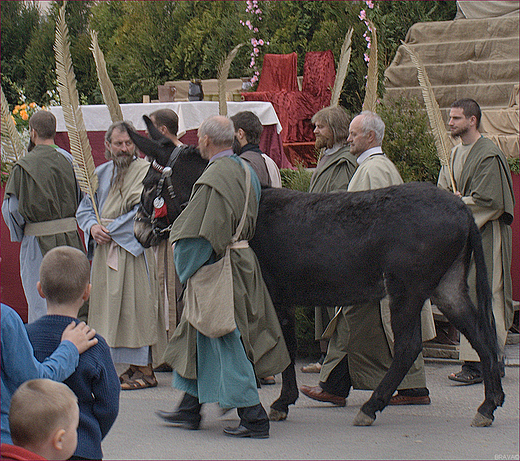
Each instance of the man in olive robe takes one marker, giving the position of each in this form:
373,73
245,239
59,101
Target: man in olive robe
39,208
124,302
223,369
333,172
361,347
483,181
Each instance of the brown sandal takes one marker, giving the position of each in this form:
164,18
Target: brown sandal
139,381
127,375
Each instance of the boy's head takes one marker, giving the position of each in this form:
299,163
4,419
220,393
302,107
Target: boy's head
44,417
64,276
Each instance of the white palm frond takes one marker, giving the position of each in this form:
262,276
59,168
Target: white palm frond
80,149
107,88
12,146
222,76
442,140
341,71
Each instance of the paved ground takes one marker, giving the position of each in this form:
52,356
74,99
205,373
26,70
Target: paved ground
317,430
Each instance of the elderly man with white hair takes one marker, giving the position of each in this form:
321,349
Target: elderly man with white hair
361,347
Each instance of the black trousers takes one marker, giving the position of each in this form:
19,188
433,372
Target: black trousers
338,383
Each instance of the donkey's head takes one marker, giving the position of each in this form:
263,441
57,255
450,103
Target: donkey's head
167,185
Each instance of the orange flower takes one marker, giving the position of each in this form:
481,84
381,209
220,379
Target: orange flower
14,121
24,115
16,110
23,106
17,107
32,105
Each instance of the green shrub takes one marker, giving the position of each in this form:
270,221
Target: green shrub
408,140
298,179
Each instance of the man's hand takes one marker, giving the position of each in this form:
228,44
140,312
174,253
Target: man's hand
80,335
100,234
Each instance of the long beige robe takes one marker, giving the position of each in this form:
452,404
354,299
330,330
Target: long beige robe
124,307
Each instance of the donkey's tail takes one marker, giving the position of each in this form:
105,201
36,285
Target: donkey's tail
484,295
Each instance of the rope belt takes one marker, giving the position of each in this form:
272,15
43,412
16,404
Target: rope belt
239,245
56,226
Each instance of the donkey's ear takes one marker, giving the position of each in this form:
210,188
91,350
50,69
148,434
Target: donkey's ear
154,132
147,146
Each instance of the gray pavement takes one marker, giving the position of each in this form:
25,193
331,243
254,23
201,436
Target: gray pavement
317,430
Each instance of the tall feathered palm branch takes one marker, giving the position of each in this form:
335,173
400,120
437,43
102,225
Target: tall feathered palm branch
442,140
222,76
372,75
12,146
107,88
79,144
341,71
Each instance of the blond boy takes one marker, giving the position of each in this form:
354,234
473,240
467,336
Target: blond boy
44,418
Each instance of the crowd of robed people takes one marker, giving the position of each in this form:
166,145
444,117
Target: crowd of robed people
129,305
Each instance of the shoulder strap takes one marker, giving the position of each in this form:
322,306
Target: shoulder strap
248,190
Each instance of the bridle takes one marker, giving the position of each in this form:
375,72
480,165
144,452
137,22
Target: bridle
158,202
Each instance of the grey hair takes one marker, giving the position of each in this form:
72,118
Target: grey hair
219,129
123,125
372,122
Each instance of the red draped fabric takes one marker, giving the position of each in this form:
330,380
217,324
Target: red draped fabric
296,108
279,73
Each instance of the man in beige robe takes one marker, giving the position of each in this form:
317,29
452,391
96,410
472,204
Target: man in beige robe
124,304
361,347
483,181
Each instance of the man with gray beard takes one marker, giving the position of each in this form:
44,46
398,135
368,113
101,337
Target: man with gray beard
124,303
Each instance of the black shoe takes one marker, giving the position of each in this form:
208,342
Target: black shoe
178,419
163,368
242,431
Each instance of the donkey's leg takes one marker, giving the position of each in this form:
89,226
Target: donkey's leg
289,392
406,325
453,300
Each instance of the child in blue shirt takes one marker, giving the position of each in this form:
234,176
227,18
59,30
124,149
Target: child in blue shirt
65,283
19,364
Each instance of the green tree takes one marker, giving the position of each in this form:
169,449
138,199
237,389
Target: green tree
39,60
19,20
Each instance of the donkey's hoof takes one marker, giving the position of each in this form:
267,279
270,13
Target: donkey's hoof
362,419
276,415
481,421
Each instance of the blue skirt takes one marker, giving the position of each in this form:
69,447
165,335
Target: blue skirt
224,373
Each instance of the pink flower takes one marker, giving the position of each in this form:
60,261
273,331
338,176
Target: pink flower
369,3
261,42
255,50
362,15
367,58
255,30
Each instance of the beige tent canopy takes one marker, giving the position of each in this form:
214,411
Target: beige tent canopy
468,58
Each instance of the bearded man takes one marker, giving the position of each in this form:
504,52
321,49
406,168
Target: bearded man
124,303
483,180
333,172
